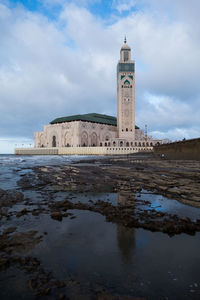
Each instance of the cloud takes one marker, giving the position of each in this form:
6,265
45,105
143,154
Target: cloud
7,145
67,64
124,5
177,134
164,113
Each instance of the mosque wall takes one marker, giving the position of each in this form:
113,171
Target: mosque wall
74,134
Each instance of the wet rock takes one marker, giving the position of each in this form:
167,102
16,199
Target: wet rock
60,283
4,263
9,230
19,242
22,213
185,219
43,291
56,216
9,198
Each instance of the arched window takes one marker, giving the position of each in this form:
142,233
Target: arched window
100,144
114,143
126,55
136,144
106,144
151,144
126,129
121,144
127,144
127,82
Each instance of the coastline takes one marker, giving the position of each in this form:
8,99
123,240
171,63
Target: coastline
121,190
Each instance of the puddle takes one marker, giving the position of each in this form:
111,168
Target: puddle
143,200
130,262
163,204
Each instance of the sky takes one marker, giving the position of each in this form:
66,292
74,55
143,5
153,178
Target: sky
59,58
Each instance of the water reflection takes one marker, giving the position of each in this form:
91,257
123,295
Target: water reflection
126,242
126,236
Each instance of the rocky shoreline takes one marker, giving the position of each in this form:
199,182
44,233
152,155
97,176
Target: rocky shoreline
128,176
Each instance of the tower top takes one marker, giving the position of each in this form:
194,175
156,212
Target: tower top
125,46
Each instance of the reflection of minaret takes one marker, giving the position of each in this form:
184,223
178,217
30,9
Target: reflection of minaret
125,235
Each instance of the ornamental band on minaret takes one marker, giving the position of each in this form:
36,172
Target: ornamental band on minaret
126,94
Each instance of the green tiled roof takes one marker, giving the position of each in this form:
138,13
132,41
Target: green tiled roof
94,118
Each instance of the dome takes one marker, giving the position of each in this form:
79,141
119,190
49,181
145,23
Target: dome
125,46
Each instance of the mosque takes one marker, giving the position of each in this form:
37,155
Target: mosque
98,130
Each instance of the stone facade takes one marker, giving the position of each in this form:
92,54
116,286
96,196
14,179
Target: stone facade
95,130
74,134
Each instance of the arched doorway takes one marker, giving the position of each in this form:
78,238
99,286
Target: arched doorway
94,139
54,141
84,139
67,140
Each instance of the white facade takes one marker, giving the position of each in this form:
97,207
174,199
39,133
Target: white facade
74,132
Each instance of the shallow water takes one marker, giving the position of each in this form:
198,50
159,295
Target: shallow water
122,260
14,166
155,202
125,261
171,206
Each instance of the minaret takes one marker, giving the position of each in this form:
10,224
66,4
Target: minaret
126,94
